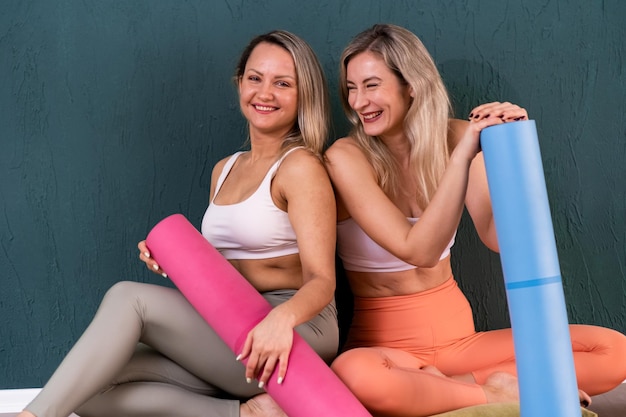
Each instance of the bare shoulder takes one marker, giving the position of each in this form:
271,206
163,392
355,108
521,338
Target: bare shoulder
300,160
342,148
456,128
219,166
299,168
345,154
345,159
301,177
215,173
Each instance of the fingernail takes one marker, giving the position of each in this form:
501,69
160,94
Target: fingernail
164,275
248,380
156,267
238,358
261,384
280,380
146,254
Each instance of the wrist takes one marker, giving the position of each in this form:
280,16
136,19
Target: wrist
284,315
458,158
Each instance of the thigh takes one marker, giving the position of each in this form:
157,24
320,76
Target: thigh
171,326
392,382
599,355
155,399
481,354
369,362
174,328
149,365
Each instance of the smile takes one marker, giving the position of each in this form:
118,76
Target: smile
371,116
264,108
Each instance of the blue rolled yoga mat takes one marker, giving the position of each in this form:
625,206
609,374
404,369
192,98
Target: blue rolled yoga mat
543,349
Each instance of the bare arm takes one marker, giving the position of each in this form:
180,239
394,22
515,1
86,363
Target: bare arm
420,244
304,185
477,200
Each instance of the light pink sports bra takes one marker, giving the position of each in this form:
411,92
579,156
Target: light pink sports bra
360,253
253,228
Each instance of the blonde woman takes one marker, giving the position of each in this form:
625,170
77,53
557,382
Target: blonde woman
402,179
147,352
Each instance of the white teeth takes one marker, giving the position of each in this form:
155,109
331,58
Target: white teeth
264,108
371,115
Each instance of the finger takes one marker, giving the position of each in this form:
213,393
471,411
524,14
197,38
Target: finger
512,113
270,364
143,248
245,352
153,266
481,124
506,111
483,110
252,367
283,362
144,255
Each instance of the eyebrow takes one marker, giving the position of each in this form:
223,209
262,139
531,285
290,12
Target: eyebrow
368,79
278,76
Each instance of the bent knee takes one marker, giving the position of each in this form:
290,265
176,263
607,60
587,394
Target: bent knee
604,351
353,365
364,371
123,289
617,351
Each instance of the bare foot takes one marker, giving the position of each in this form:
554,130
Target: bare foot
260,406
585,399
26,414
501,387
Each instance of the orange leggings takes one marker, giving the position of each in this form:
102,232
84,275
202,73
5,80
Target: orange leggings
392,338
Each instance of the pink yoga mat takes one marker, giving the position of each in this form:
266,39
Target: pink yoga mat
232,307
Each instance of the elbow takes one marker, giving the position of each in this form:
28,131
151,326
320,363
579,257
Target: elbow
493,246
427,263
423,260
490,239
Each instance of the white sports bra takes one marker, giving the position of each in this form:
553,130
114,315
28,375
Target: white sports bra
253,228
360,253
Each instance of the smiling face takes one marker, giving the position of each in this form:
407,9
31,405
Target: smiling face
268,93
377,95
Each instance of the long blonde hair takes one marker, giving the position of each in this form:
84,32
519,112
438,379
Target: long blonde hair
426,122
311,127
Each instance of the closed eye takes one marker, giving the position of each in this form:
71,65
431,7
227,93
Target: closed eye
283,84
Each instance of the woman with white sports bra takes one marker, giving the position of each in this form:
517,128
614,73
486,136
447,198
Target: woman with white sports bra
402,179
147,352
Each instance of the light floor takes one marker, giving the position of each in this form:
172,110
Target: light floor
611,404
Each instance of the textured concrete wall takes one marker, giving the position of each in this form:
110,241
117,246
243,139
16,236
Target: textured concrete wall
113,112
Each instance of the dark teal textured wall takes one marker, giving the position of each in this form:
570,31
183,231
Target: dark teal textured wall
113,112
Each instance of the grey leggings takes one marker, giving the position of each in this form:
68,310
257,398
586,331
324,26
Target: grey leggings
147,352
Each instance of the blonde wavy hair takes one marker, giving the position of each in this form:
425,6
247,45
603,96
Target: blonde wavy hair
426,122
312,125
